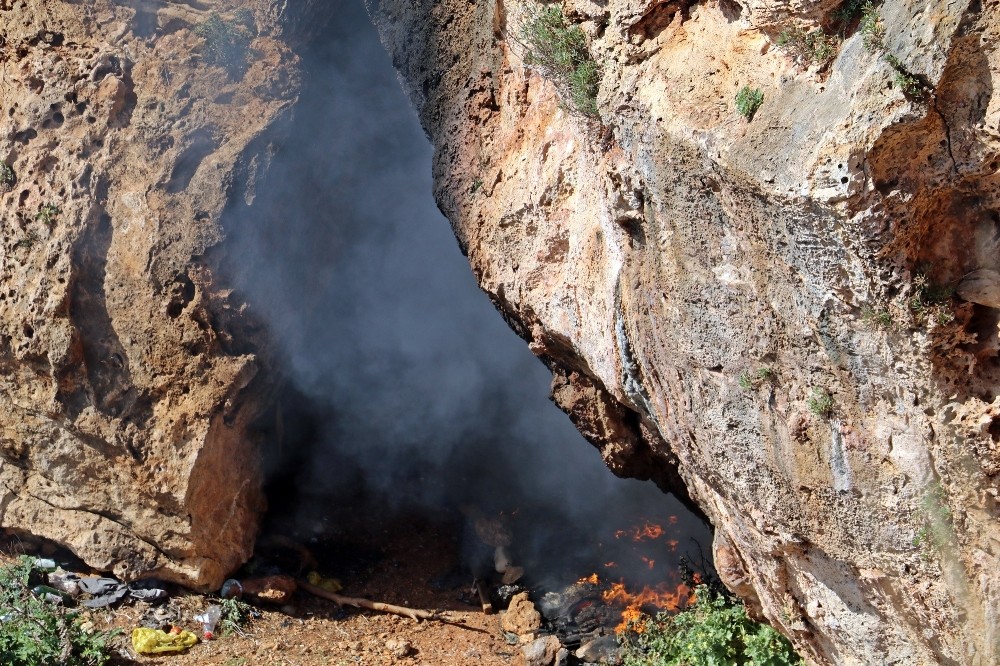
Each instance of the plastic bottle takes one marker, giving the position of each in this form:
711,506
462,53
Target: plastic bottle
44,564
51,595
209,619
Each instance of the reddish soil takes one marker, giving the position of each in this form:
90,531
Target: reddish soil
398,560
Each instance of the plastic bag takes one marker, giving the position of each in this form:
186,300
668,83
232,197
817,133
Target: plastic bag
155,641
328,584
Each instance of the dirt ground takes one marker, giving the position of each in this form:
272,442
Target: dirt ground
404,560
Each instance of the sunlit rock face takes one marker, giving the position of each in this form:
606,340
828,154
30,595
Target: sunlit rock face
129,374
762,309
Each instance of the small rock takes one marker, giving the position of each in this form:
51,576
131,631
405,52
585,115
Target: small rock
540,652
399,647
981,286
521,617
603,650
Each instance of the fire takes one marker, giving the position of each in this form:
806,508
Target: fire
592,579
651,563
608,565
662,597
646,531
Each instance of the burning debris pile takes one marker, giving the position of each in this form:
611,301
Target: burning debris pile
580,622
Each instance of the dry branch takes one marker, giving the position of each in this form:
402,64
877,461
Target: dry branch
412,613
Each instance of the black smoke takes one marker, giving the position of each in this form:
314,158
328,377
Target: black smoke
404,383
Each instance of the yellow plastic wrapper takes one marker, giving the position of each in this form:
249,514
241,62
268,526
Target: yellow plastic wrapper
155,641
328,584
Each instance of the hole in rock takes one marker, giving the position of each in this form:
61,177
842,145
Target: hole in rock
416,446
414,449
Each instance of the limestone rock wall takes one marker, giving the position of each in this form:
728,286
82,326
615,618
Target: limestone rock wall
699,284
128,373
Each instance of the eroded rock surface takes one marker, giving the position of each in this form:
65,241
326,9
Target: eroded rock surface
763,308
128,373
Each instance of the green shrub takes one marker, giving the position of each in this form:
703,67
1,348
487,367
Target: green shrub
748,101
236,614
820,403
227,43
872,30
559,52
36,633
714,631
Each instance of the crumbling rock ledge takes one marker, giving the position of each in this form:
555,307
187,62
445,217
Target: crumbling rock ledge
763,307
129,374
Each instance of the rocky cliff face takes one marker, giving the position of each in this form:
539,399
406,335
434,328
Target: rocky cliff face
128,373
761,308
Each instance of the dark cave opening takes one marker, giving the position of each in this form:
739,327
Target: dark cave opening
408,407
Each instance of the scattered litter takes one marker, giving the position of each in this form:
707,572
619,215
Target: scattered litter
44,564
108,591
104,591
209,619
328,584
51,595
156,641
231,589
162,617
65,582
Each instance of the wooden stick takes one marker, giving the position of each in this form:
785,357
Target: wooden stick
484,597
340,600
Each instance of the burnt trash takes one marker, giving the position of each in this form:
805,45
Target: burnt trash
602,650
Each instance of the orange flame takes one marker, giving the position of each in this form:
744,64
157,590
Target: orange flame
651,563
592,579
646,531
662,597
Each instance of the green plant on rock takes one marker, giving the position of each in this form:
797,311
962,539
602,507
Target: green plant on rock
715,630
878,318
871,28
905,81
227,43
873,37
7,177
929,302
47,214
844,15
37,633
751,380
559,52
748,101
820,403
29,240
812,46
